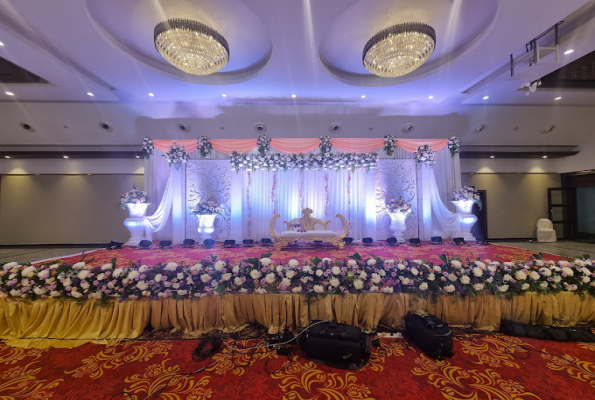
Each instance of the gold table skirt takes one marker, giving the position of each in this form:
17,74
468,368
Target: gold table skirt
49,323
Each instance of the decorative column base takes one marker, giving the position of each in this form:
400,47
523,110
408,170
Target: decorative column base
397,225
136,227
466,221
206,225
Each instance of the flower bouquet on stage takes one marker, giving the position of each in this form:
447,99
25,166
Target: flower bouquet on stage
137,202
398,209
206,211
464,199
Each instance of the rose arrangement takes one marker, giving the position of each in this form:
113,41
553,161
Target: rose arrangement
398,205
468,193
206,207
264,144
147,147
176,155
389,144
425,155
205,146
134,196
325,144
454,145
289,162
315,278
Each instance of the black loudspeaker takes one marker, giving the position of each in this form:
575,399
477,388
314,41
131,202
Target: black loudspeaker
481,240
188,243
145,244
164,244
248,242
229,243
266,242
368,241
459,241
348,240
391,241
436,239
414,242
114,245
208,243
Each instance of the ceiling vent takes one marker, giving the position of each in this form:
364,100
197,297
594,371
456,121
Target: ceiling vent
260,127
106,127
334,128
408,128
184,127
480,128
27,127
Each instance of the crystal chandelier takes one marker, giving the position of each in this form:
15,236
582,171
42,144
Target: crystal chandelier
399,50
191,46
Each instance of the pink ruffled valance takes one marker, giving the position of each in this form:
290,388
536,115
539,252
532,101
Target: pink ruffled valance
295,145
411,145
189,145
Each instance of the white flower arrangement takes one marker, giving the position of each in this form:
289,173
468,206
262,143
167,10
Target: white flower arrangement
205,146
147,147
325,144
468,193
264,144
398,205
296,162
425,155
134,196
206,207
176,155
389,144
454,145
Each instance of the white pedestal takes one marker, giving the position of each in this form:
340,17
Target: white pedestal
466,219
397,224
135,223
206,225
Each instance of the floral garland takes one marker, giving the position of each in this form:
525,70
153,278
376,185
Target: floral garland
398,205
468,193
207,206
134,196
147,147
264,144
454,145
390,144
325,144
296,162
315,278
176,155
425,155
205,146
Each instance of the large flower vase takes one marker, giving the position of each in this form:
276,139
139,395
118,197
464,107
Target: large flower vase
206,225
397,224
466,219
135,223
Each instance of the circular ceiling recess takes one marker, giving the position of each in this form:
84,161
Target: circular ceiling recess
129,26
458,26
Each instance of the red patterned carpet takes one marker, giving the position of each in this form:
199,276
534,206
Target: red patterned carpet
483,367
191,256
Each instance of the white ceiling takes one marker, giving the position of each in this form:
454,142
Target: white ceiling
283,47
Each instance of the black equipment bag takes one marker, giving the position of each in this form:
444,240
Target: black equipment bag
430,334
545,332
336,345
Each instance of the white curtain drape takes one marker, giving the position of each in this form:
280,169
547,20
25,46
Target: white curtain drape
157,221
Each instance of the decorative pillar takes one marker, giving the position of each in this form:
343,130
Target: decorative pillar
178,209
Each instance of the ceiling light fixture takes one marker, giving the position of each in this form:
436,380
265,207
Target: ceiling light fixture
9,93
1,44
492,156
486,97
90,94
363,96
558,98
570,51
191,46
7,157
137,156
65,157
151,95
399,49
430,97
294,96
223,95
544,157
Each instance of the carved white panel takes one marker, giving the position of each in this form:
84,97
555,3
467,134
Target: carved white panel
208,179
394,178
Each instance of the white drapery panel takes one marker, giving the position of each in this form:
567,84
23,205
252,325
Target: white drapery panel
157,221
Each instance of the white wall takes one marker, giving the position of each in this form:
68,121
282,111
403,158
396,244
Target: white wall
71,166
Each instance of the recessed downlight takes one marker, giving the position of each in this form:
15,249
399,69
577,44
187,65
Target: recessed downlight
7,157
569,51
151,95
363,96
27,127
65,157
294,95
558,98
223,95
492,156
9,93
544,157
430,97
486,97
1,44
90,94
106,127
137,156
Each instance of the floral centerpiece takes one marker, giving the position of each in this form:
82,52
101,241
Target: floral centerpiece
264,144
389,144
325,144
176,155
205,146
207,206
454,145
468,193
398,205
425,155
134,196
147,147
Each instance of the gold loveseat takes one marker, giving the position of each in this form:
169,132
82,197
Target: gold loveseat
308,228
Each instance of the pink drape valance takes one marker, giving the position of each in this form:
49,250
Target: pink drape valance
411,145
358,145
189,145
295,145
228,146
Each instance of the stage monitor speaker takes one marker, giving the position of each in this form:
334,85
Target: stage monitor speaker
459,241
348,240
392,241
248,242
188,243
229,243
266,242
208,243
164,243
114,245
368,241
481,240
414,242
436,239
145,244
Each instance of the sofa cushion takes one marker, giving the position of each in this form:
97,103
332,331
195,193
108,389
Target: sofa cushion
307,234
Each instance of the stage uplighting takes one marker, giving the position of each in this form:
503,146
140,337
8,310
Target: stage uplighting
114,245
414,242
145,244
188,243
229,243
208,243
348,240
266,242
436,239
248,242
481,240
164,244
368,241
391,241
459,241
